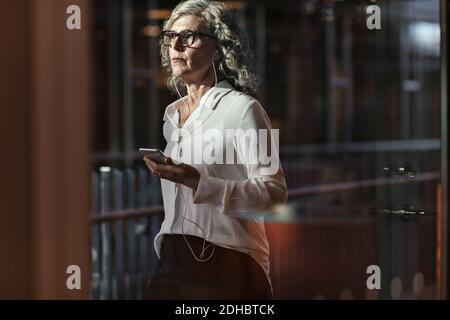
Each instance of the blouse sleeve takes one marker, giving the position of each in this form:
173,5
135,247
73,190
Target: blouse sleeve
265,184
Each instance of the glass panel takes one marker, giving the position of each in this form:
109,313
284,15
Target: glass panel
407,208
359,114
361,150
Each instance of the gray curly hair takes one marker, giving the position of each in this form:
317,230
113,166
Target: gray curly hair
235,64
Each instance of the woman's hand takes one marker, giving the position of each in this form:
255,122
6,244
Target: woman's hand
178,173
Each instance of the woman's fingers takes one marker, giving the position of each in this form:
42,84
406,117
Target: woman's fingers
164,171
167,171
178,173
150,164
149,167
169,161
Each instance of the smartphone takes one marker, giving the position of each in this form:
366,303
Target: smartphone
154,154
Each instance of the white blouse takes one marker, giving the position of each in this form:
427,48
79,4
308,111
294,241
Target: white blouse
223,189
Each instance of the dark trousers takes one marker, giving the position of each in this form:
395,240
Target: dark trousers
229,274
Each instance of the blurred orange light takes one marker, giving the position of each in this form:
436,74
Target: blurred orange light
158,14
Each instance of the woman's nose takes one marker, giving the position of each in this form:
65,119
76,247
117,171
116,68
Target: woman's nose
176,44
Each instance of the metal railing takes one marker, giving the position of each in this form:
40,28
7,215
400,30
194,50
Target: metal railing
127,215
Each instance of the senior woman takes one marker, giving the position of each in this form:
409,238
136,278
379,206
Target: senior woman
205,250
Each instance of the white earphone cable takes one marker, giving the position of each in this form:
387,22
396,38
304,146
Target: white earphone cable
201,257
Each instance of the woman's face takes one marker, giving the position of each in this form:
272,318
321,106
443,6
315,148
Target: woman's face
191,63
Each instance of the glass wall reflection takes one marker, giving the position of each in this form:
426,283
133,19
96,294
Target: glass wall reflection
359,114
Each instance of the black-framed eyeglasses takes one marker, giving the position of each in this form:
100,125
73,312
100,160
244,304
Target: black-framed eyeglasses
186,37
